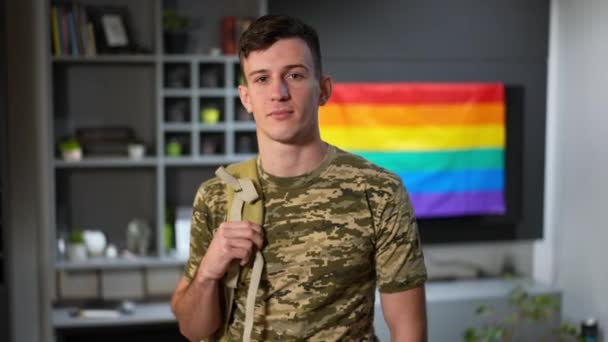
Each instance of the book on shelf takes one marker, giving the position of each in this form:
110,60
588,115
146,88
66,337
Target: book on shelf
64,31
72,31
55,32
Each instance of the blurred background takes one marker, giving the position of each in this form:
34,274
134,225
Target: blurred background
112,112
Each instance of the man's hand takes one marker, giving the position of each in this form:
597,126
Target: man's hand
232,240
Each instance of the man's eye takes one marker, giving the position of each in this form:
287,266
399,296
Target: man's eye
295,76
261,79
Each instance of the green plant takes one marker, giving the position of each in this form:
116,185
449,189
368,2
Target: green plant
528,310
70,144
76,236
173,22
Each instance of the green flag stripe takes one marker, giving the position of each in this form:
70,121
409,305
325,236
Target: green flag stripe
445,160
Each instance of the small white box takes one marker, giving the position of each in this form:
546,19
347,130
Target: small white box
183,219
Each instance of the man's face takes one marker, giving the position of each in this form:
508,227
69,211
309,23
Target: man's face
283,92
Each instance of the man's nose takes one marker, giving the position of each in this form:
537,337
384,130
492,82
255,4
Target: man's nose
280,91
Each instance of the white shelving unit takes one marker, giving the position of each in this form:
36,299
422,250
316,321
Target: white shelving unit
138,91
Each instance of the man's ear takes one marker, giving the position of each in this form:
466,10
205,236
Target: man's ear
244,95
326,85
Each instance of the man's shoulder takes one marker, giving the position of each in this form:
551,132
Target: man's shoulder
211,193
349,165
211,185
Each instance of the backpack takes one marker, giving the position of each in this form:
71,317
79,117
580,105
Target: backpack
244,203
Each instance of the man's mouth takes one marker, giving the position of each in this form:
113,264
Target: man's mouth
280,114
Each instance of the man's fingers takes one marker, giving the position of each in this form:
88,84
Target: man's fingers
241,225
248,234
240,253
240,243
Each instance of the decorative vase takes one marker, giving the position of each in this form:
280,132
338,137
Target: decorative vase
95,241
138,237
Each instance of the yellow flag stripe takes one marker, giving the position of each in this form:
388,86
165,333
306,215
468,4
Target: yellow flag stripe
421,138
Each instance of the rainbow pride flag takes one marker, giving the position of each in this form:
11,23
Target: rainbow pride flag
445,140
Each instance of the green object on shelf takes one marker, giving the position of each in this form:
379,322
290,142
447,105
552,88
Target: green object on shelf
70,144
174,149
173,22
210,115
76,236
168,236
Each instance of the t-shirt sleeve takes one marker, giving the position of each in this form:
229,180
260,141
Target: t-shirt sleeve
398,253
200,234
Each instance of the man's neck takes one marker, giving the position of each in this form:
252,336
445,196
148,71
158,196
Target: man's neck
284,160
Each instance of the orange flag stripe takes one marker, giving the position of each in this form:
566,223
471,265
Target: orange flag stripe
411,115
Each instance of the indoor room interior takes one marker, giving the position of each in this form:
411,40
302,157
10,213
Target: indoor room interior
113,112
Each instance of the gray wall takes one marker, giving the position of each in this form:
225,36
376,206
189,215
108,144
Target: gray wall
27,244
4,317
577,160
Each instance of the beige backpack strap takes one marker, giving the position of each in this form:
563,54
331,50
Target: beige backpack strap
244,191
256,275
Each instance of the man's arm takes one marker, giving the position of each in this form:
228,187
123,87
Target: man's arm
195,303
196,307
405,314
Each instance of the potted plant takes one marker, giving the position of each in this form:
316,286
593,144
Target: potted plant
528,310
77,250
175,32
70,150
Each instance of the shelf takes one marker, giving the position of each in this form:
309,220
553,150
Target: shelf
181,92
187,127
200,58
120,263
87,162
116,59
220,127
248,126
145,314
207,160
218,92
209,92
177,127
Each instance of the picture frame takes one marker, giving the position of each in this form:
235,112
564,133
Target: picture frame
112,28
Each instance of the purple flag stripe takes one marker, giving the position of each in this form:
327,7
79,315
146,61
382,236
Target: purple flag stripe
457,204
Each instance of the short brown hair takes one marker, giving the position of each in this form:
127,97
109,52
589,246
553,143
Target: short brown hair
269,29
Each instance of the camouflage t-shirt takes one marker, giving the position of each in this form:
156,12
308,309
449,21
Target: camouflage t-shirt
331,236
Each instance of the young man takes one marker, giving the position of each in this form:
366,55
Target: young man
335,225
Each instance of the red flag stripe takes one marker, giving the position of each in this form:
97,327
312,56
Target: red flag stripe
416,93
